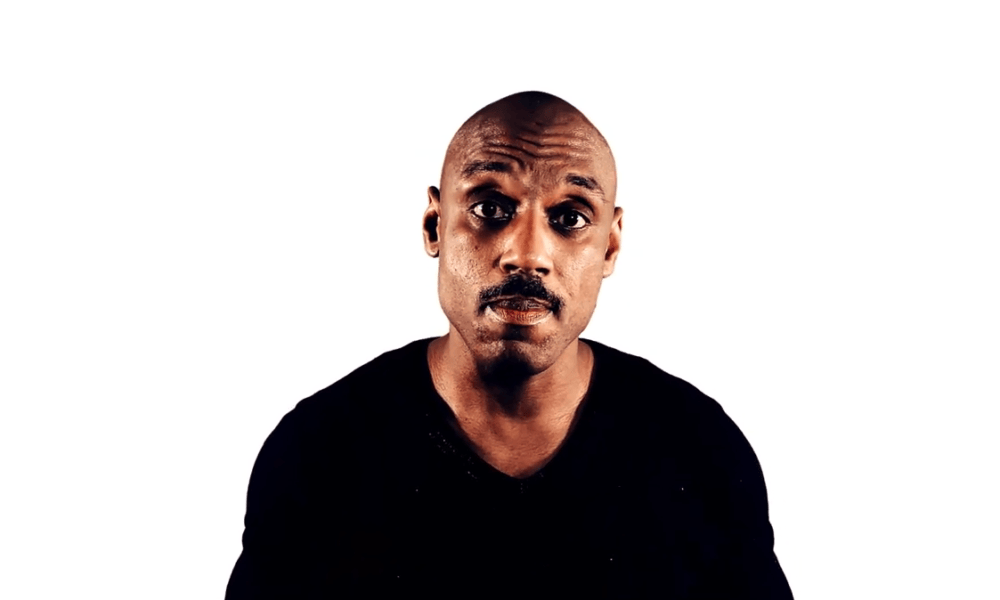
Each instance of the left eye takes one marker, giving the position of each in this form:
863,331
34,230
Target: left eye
570,220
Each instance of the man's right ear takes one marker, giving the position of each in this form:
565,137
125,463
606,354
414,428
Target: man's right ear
432,223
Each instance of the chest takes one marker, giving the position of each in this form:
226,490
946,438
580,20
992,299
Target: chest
516,456
438,520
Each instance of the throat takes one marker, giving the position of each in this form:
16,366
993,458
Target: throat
516,425
516,447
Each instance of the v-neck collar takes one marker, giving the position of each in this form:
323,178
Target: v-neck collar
438,415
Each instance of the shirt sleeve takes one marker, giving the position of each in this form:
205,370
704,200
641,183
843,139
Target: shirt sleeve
277,558
749,567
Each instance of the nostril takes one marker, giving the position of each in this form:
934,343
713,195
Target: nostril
513,268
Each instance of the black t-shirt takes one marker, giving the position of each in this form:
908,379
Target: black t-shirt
365,490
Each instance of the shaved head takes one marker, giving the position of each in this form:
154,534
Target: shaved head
528,116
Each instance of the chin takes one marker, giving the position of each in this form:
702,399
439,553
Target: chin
512,360
506,370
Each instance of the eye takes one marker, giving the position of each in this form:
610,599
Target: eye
489,210
570,219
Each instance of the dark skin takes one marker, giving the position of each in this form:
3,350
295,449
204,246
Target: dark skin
527,195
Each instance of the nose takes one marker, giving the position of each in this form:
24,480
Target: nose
529,245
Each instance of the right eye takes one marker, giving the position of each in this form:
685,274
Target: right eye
489,210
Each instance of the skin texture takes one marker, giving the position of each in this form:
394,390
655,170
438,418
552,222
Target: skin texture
525,211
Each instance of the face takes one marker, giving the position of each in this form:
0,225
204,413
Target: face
526,230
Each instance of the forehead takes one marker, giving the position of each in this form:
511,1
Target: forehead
539,147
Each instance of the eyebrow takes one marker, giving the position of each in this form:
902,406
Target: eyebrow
485,166
588,183
496,166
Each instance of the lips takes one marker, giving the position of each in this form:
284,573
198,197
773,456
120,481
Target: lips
520,304
519,310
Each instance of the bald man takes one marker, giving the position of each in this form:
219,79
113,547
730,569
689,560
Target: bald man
510,457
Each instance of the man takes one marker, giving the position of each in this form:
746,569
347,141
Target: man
510,458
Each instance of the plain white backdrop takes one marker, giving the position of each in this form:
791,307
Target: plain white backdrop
211,210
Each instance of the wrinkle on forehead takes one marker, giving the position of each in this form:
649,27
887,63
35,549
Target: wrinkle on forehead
528,128
540,136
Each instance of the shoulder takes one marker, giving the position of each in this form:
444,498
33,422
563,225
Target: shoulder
377,389
674,430
640,385
670,411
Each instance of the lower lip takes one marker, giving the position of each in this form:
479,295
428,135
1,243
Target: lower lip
518,317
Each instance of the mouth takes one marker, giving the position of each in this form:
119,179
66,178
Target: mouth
518,310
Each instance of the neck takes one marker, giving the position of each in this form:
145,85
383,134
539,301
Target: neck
549,395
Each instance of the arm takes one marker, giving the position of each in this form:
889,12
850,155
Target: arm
749,567
276,559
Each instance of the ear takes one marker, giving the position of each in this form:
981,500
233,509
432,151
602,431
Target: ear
432,223
614,242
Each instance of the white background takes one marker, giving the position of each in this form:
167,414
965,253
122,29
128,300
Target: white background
212,209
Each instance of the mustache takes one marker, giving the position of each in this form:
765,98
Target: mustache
520,285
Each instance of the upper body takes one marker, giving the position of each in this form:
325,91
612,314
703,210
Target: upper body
526,227
367,489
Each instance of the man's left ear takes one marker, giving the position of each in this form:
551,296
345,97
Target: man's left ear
614,242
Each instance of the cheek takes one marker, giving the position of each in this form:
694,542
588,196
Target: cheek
586,272
463,267
460,257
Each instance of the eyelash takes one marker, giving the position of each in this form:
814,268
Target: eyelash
508,214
